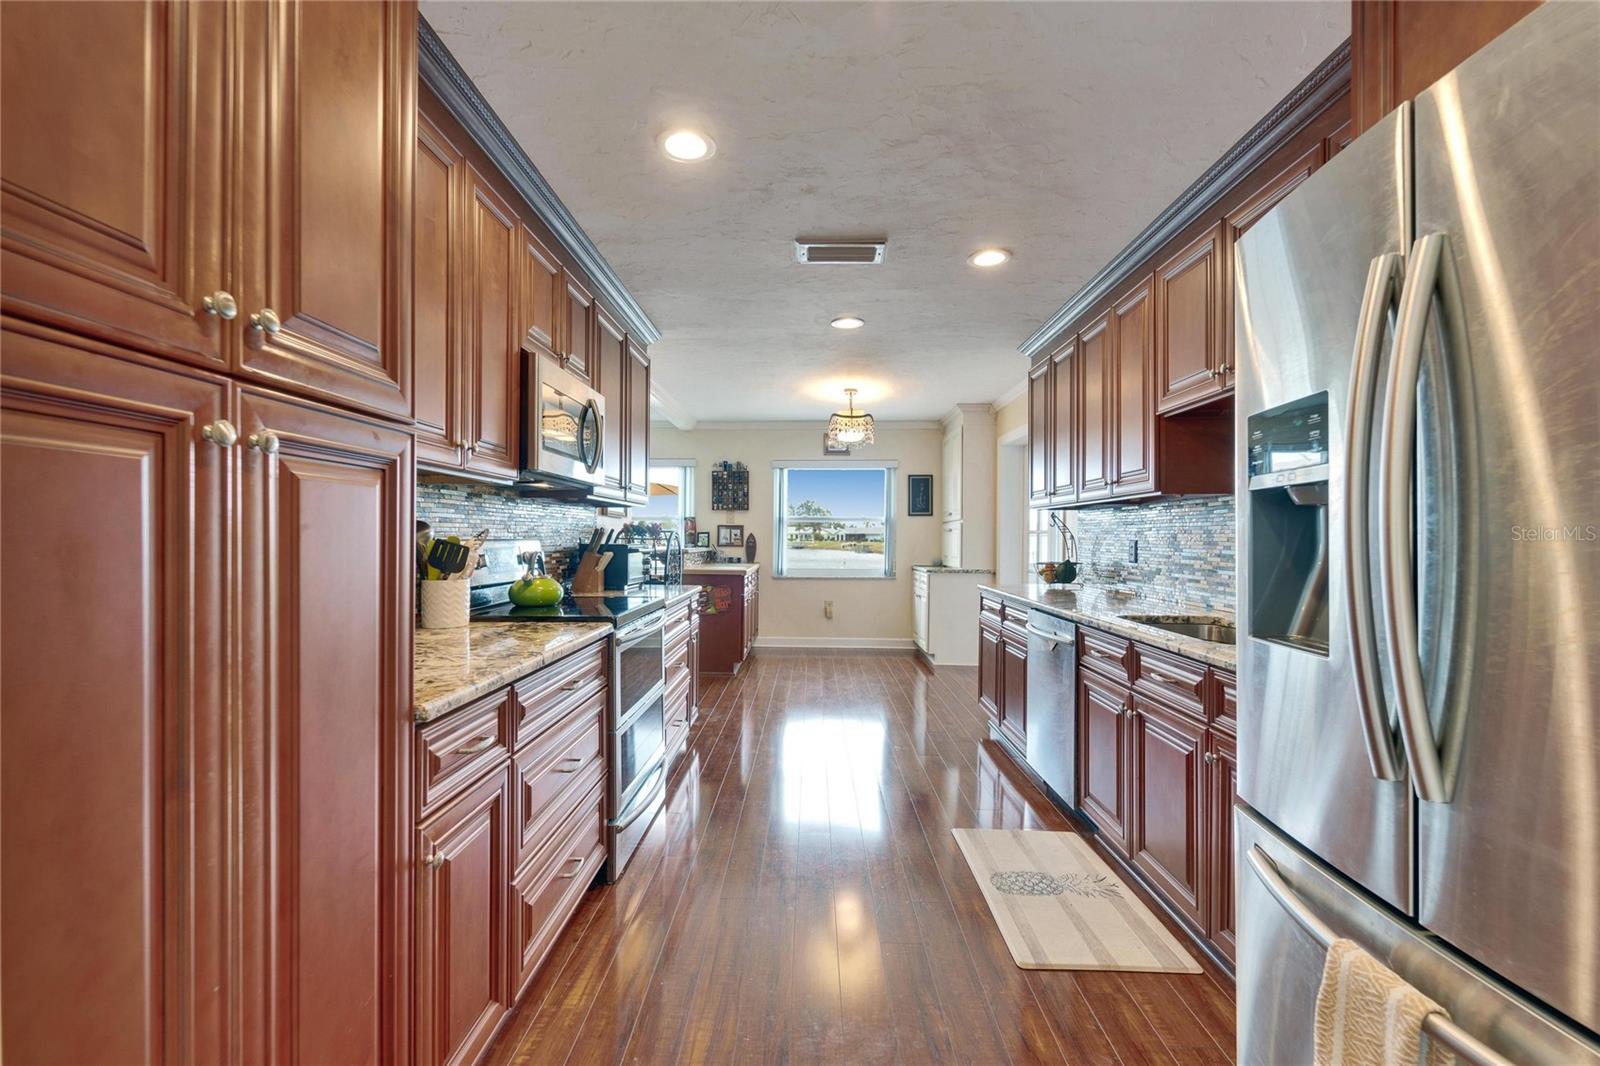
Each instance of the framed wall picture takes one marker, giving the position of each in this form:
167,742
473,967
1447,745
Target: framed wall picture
730,536
919,495
702,539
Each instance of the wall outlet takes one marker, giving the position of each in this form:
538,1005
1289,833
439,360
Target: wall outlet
1133,551
827,609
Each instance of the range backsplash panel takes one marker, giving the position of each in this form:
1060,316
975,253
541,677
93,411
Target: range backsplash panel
464,507
1186,548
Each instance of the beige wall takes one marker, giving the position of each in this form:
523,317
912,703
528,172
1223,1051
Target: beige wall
1013,416
865,611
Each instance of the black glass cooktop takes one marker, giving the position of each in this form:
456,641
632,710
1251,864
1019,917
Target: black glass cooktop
617,608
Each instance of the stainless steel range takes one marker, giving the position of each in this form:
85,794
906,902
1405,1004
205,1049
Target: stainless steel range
636,719
1418,407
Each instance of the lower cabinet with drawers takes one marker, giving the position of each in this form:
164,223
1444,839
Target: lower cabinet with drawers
510,808
681,651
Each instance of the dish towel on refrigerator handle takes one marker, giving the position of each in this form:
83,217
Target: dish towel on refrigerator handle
1368,1016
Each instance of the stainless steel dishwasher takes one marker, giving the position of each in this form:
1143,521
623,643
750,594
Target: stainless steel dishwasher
1052,707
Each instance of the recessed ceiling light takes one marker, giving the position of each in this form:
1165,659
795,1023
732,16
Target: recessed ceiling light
847,322
988,257
687,146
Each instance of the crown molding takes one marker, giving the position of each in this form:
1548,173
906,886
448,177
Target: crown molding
1322,85
441,73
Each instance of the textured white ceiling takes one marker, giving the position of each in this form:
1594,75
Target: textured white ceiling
1057,130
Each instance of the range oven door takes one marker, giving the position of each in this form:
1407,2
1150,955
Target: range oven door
564,424
638,780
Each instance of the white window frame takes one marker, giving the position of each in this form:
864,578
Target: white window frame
686,490
780,507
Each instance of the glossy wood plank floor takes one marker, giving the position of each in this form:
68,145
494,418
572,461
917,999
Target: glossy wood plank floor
801,899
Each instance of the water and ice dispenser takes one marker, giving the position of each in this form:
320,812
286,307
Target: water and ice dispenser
1288,461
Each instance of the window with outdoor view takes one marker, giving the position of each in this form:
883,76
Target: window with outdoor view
671,497
834,519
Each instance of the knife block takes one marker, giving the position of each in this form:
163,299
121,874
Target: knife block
589,576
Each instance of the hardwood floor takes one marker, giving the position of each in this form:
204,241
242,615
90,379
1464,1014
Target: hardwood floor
801,899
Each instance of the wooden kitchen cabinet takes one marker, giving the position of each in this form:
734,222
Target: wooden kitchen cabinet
324,592
1041,432
1222,786
436,298
1167,838
1064,412
493,237
637,429
114,161
1014,688
540,308
611,377
114,702
577,328
1102,756
463,934
990,665
1093,439
1132,426
327,140
1191,323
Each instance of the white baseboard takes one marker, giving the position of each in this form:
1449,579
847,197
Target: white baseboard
868,643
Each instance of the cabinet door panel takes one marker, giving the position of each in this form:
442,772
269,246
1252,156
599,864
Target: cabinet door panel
326,593
541,291
111,170
463,894
329,143
577,344
1221,787
1041,432
1014,690
989,667
493,346
611,378
436,303
1133,406
1064,420
1093,438
1101,757
1190,323
1167,802
112,767
638,427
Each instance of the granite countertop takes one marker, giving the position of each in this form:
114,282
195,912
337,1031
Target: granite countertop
1103,608
934,568
720,568
452,667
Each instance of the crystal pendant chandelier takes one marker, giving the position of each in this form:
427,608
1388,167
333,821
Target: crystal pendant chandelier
850,429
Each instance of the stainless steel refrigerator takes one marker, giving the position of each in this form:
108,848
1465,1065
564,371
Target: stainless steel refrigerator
1418,418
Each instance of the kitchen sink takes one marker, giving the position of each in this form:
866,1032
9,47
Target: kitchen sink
1211,629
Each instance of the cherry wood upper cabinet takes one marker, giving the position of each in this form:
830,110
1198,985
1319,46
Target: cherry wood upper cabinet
1093,440
1064,383
1272,192
1191,327
1133,429
326,550
463,940
577,332
436,299
493,339
1399,49
112,804
611,378
638,425
328,126
113,160
1041,383
542,293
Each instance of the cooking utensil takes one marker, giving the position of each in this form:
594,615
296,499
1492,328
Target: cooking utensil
447,557
474,547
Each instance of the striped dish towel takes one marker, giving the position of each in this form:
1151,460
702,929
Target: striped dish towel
1368,1016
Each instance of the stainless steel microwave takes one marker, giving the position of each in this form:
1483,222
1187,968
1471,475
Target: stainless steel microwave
564,423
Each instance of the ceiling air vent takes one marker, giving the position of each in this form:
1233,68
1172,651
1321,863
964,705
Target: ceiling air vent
866,253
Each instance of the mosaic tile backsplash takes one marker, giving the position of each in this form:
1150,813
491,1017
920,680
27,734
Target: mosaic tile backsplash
1186,549
464,507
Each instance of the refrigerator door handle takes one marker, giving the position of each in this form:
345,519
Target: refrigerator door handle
1397,569
1438,1026
1383,287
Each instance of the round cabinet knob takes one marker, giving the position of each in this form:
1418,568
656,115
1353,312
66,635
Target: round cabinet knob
266,320
1225,368
434,861
221,433
1210,757
265,441
221,304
